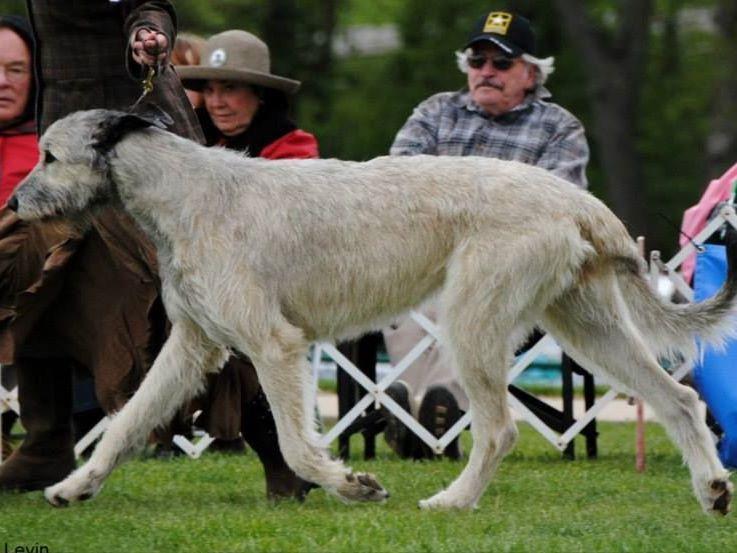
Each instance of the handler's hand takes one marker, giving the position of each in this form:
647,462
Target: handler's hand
149,47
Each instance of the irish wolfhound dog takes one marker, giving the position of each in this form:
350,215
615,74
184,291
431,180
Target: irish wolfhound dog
264,257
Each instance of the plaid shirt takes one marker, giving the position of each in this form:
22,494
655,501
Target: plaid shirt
535,132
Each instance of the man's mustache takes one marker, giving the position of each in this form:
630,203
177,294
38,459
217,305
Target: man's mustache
493,83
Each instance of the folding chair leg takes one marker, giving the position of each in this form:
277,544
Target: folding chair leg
590,431
567,375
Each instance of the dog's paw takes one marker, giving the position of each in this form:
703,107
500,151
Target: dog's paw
362,486
78,486
720,496
444,500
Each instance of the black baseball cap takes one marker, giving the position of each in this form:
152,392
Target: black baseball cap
509,31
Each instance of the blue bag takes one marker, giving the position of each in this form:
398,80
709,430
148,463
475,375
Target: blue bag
715,377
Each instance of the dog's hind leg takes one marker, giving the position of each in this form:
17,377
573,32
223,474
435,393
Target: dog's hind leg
280,358
496,288
595,328
176,376
483,377
490,302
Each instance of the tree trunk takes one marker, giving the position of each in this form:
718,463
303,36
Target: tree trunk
615,64
324,63
614,132
721,146
300,36
279,31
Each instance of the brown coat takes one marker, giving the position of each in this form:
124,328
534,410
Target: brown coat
94,297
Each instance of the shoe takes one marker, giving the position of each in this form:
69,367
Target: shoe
46,455
7,448
164,452
282,484
231,447
8,420
439,411
400,438
259,432
26,472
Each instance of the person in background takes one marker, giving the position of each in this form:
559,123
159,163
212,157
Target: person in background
18,143
503,112
90,302
246,108
186,51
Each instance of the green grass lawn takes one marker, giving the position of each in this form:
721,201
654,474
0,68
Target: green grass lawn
538,502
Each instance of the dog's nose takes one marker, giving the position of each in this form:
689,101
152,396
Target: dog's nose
12,203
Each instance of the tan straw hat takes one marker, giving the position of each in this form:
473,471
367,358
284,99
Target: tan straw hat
235,56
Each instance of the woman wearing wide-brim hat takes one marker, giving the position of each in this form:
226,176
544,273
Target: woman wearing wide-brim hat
246,104
246,109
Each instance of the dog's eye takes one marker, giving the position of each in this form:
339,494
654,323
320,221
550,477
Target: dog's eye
49,157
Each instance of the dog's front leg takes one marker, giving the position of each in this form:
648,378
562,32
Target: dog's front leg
280,359
176,376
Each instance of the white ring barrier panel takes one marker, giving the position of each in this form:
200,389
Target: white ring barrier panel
8,402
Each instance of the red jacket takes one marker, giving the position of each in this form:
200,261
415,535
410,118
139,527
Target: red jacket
296,144
271,135
18,155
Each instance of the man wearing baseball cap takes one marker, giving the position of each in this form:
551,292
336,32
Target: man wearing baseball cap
503,112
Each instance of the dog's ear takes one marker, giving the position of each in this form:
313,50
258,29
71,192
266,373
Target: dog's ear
119,124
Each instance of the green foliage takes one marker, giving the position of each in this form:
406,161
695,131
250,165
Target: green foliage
537,502
16,7
290,28
200,17
376,12
674,126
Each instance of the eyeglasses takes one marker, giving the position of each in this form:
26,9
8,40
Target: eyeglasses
500,63
15,73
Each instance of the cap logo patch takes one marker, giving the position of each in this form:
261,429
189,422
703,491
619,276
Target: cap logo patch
498,22
218,57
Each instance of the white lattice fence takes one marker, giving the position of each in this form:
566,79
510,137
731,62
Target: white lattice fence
375,393
8,402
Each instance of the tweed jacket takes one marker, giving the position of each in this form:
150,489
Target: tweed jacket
84,61
93,298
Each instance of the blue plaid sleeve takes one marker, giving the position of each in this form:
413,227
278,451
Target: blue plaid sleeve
567,154
419,134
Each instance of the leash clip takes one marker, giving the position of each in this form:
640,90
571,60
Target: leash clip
147,84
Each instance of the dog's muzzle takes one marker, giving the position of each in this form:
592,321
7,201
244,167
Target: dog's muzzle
12,203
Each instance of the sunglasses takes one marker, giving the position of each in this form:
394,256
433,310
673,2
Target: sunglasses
500,63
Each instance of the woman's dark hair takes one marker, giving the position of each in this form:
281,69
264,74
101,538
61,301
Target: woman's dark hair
272,99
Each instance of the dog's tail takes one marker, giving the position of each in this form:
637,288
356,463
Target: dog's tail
671,329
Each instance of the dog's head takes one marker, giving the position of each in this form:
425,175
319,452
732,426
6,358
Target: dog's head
72,175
